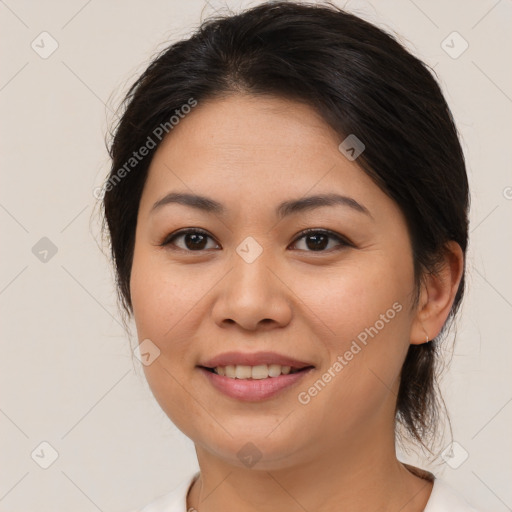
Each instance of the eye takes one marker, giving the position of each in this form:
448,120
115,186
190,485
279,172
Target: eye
194,240
318,239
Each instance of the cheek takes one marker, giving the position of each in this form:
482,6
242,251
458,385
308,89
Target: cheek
366,310
161,296
160,305
349,299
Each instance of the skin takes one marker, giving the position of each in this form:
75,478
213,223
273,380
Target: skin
338,451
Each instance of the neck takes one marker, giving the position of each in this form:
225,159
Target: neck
363,474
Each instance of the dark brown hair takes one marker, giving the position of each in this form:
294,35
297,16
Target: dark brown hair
362,81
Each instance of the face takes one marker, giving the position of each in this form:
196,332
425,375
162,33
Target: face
246,278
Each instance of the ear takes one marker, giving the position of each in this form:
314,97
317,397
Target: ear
437,295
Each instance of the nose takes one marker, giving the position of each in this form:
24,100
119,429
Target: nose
253,295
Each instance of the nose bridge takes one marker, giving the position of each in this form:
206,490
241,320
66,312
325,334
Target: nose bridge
251,260
252,292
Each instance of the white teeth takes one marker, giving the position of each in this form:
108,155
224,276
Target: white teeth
258,372
229,371
243,372
274,370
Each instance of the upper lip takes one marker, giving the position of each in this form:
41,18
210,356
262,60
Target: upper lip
253,359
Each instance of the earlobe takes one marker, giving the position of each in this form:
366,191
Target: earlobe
437,294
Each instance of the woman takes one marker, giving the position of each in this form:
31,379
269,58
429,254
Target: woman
288,216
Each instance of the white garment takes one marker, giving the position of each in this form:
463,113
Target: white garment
442,499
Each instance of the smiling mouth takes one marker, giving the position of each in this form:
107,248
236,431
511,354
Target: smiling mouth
258,372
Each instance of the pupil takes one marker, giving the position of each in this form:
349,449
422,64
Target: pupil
196,237
318,244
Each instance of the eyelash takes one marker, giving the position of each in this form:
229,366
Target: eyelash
344,242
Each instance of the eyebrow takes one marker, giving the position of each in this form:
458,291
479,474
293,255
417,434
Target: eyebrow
284,209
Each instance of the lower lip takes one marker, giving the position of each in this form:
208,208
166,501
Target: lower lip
253,390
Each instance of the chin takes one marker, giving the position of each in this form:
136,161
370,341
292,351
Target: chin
263,449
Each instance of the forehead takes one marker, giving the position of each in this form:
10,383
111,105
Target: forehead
241,126
248,149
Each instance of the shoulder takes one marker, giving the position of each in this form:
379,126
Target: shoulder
173,501
445,498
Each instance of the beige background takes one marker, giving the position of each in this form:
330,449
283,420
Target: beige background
66,371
